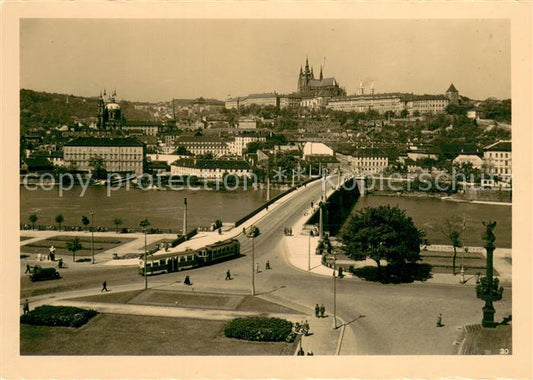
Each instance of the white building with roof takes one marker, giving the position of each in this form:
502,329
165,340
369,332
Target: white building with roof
498,159
316,149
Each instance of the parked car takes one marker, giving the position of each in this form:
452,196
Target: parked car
44,274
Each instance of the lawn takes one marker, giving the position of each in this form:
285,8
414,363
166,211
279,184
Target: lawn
117,334
190,300
101,244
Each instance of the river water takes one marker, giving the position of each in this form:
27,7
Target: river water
428,215
164,209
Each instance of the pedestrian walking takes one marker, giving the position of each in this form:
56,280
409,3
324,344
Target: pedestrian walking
187,280
104,286
267,265
439,320
28,269
228,275
322,310
257,267
317,311
26,306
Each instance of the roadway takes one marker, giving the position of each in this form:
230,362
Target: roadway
382,318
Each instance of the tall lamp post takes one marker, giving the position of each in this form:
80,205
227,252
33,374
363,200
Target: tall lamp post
309,251
144,224
334,291
252,233
184,216
92,234
488,289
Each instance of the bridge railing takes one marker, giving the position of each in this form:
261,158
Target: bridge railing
277,197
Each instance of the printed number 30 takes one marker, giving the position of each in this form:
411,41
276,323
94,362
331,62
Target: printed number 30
504,351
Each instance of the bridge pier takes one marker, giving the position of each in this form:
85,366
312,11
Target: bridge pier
361,185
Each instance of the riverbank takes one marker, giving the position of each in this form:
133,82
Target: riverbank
466,197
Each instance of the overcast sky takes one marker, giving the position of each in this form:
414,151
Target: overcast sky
156,60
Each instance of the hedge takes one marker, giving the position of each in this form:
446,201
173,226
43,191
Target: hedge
260,329
47,315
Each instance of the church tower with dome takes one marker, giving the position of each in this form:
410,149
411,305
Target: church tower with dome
109,112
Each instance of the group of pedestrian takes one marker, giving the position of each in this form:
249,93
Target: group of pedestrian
320,310
287,231
301,328
258,266
301,352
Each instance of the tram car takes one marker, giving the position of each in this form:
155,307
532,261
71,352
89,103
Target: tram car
191,258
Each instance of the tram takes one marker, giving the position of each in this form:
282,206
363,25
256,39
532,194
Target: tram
191,258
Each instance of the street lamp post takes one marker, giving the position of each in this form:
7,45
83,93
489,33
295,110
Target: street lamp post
334,293
185,217
462,265
92,235
144,224
309,252
252,233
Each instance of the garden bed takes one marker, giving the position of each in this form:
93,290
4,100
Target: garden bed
67,316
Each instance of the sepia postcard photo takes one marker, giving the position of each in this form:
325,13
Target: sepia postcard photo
212,183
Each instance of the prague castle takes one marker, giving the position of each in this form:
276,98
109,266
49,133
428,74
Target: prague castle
308,85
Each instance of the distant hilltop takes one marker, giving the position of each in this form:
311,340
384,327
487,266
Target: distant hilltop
51,109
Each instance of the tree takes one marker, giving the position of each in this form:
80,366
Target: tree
59,220
97,164
74,246
452,229
382,233
85,221
117,222
182,151
33,219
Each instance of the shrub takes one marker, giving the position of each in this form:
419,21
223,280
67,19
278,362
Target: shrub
85,260
260,329
47,315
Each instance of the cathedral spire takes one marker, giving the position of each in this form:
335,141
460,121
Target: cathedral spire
321,76
306,64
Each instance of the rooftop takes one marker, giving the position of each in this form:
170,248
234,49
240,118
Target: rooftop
95,141
212,164
500,146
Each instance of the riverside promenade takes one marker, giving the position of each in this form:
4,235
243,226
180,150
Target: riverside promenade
300,251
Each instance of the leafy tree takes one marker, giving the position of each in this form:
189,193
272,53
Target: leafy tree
182,151
452,229
144,223
33,219
97,164
59,219
382,233
117,222
85,221
74,246
404,113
